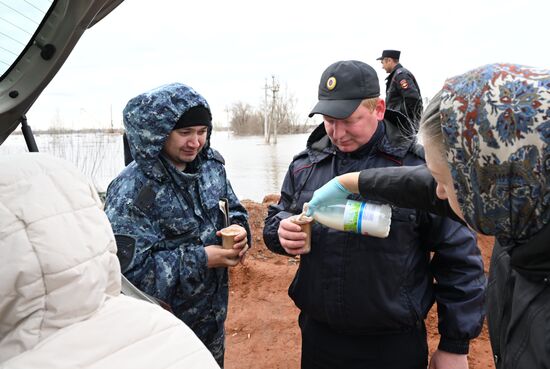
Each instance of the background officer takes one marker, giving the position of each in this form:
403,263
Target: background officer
402,90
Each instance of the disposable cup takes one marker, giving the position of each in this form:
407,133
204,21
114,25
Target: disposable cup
305,223
228,236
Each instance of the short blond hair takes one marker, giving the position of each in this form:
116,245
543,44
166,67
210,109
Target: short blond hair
370,103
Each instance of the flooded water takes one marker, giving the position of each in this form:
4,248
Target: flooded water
255,168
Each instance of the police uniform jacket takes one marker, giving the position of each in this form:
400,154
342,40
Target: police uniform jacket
365,285
403,94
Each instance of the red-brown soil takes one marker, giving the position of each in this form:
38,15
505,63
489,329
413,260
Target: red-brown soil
261,328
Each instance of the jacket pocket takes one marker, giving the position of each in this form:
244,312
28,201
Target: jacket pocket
403,215
404,226
180,229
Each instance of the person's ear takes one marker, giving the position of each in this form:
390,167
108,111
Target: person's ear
380,109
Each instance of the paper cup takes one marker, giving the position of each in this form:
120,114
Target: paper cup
305,223
228,236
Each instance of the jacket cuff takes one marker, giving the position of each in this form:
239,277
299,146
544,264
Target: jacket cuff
453,346
202,259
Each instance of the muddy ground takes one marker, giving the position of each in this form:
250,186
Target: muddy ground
261,327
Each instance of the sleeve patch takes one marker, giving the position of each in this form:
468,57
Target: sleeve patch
404,84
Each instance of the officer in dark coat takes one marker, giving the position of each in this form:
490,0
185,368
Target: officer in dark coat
402,90
363,300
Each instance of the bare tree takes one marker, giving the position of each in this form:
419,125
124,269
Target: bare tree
245,119
282,117
284,114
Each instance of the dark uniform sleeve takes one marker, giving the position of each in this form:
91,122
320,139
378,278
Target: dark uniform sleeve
456,265
460,281
406,187
276,213
408,89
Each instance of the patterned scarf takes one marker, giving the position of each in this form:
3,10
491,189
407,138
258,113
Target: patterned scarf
496,121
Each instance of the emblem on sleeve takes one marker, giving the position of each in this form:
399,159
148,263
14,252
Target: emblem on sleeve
331,83
404,84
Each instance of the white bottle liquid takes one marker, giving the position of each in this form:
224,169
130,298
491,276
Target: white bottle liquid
355,216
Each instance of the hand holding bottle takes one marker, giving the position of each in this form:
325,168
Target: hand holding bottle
332,191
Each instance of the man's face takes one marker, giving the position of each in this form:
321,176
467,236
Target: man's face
351,133
184,144
387,64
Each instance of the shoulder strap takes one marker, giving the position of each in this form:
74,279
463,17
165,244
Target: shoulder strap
145,197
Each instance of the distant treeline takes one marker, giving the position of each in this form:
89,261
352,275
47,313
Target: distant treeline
256,129
64,131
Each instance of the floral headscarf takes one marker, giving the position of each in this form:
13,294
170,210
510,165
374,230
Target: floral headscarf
496,121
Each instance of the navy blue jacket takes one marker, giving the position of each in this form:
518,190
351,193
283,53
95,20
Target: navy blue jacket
366,285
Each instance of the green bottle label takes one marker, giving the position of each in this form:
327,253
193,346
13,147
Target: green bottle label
351,216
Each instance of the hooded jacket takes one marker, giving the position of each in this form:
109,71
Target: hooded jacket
366,285
167,217
60,301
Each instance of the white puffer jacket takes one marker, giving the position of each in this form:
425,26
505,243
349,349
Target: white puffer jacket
60,302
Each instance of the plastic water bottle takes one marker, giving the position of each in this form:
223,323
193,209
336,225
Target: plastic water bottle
354,216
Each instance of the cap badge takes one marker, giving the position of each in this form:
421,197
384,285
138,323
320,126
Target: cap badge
331,83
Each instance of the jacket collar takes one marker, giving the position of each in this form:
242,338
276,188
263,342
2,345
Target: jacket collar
390,76
162,169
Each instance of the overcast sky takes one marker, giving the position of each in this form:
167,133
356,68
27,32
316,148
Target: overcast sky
226,49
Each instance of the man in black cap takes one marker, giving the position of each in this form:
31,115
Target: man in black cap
402,90
363,300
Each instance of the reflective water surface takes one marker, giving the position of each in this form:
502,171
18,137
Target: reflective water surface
255,168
